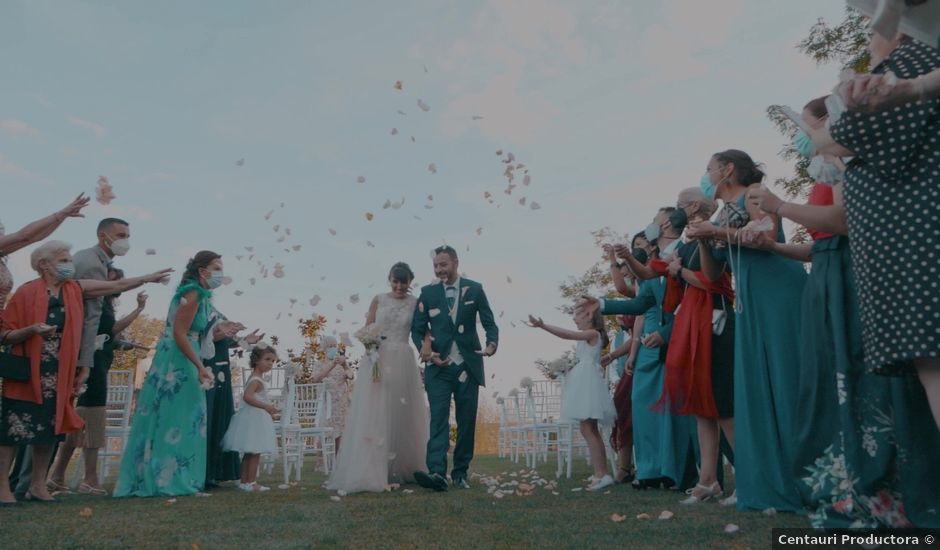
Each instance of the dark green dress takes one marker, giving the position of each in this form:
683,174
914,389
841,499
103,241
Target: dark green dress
220,407
863,443
97,393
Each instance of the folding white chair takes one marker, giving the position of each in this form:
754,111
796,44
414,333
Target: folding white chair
313,408
117,424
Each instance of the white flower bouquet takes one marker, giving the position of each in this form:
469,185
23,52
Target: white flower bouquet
557,368
371,337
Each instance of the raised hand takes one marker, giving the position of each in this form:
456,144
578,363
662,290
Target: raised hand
535,322
74,208
253,338
701,230
161,276
877,92
675,266
42,329
606,359
622,251
765,199
142,300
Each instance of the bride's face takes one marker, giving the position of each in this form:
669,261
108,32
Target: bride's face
399,288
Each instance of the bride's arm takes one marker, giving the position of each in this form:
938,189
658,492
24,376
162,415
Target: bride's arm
373,307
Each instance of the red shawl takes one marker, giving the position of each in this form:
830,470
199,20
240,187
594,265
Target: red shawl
30,305
673,296
687,388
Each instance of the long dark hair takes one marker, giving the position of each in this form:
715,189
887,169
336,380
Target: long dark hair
201,260
747,170
401,273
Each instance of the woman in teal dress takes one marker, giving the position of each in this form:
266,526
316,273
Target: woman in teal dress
766,351
165,454
663,443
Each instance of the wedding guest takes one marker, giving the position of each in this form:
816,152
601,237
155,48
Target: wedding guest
892,191
91,404
170,418
44,322
10,243
767,307
337,374
700,362
584,397
252,431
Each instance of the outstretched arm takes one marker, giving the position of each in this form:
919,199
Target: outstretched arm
41,228
563,333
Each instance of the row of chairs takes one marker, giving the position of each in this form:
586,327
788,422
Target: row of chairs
531,428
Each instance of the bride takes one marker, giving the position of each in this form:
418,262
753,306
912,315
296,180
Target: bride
387,427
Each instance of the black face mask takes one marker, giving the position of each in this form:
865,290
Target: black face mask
640,255
678,219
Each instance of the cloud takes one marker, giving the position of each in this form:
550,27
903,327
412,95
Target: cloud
17,172
131,212
154,177
94,127
18,128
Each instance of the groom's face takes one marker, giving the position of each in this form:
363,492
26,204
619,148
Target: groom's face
445,267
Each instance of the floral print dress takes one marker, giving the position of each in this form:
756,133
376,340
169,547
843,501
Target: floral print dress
28,423
165,454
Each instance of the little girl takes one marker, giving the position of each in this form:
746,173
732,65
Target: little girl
251,430
585,397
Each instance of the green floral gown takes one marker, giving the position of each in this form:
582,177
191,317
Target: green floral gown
165,454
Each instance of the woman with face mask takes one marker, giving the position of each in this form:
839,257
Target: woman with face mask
43,322
892,467
767,308
165,454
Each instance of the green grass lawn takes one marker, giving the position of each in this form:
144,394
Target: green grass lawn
304,516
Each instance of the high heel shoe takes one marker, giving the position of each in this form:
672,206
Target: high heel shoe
30,497
628,475
704,494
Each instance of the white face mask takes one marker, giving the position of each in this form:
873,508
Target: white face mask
120,247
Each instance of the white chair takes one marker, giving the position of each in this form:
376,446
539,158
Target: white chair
542,408
313,408
117,424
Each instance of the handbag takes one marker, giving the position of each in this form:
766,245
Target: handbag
719,318
13,367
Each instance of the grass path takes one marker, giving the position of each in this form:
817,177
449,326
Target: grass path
304,516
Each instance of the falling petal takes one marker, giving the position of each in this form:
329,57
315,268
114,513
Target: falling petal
666,514
428,206
643,516
332,232
278,317
508,279
315,300
398,85
282,238
237,256
104,193
240,162
423,106
732,528
394,131
402,113
354,299
339,307
369,216
238,292
252,281
278,271
277,227
476,117
369,244
413,139
335,499
534,205
387,205
526,180
510,157
499,152
150,252
522,201
432,168
86,512
250,248
479,230
268,215
617,518
361,179
296,248
418,218
226,280
287,230
292,301
430,197
501,314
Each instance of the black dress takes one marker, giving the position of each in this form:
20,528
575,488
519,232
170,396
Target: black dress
97,393
28,423
892,200
220,407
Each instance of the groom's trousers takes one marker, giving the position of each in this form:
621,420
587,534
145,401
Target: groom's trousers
441,385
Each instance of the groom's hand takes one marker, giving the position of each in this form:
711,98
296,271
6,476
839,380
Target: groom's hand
489,351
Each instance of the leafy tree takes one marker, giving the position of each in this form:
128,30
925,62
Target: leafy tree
145,331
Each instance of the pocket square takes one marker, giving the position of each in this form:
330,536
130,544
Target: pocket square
434,312
469,303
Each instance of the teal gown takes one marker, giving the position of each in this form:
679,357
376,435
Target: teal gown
165,454
863,442
766,363
663,443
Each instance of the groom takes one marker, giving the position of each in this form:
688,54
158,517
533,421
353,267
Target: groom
453,364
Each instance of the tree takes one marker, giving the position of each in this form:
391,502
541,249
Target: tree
144,331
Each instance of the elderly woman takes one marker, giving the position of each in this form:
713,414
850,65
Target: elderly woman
43,322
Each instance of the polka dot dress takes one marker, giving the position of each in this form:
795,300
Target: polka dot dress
892,201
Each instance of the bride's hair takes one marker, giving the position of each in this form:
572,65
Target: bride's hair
401,272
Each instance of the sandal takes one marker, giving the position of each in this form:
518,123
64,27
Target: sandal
56,487
29,497
704,493
628,475
87,489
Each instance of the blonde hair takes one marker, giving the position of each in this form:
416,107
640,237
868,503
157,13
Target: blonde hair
47,251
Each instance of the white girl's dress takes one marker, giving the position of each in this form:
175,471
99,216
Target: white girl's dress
251,429
584,393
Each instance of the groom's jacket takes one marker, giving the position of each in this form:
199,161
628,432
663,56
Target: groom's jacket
431,312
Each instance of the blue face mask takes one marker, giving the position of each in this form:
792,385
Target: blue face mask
708,188
215,279
804,144
652,232
64,271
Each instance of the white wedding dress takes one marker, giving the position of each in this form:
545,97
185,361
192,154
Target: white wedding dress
387,426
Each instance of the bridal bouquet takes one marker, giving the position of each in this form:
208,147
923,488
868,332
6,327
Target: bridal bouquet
371,337
558,367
